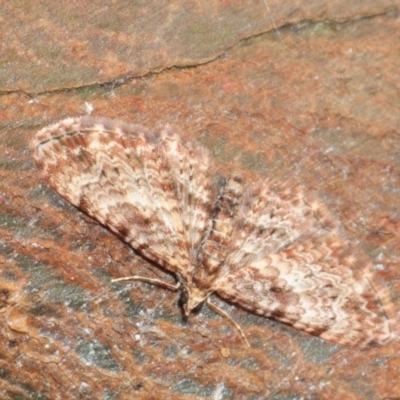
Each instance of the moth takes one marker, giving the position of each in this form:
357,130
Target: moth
268,247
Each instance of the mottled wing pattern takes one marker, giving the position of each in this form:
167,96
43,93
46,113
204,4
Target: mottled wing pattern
194,179
268,248
269,218
286,261
114,171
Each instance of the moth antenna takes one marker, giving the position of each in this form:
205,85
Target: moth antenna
156,282
225,315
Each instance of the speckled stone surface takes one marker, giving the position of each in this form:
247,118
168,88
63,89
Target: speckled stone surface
316,102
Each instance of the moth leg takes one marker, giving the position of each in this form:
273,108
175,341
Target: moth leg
225,315
156,282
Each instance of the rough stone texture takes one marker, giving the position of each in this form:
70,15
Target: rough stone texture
46,47
317,102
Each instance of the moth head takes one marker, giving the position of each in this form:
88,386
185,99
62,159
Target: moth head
192,298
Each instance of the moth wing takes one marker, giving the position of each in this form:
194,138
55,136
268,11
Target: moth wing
319,296
195,185
252,222
287,262
121,175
